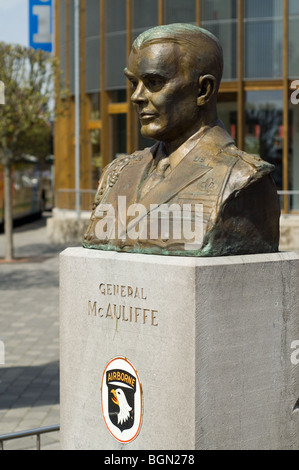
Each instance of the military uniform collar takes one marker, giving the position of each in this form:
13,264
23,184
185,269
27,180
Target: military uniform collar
177,156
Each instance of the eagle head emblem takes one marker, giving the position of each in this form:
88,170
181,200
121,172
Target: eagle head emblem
119,399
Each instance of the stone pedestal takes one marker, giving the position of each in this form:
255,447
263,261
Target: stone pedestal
210,341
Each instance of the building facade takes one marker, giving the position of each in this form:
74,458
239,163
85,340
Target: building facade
257,99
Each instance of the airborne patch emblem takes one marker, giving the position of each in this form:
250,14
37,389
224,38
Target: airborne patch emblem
121,399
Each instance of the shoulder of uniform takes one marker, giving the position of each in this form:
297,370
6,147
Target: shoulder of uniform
247,160
122,160
112,171
125,159
246,169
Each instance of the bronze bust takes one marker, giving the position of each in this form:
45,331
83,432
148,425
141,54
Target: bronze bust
212,198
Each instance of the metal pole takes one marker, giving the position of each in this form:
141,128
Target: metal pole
38,442
77,106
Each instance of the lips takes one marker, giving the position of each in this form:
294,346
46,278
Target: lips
144,116
144,112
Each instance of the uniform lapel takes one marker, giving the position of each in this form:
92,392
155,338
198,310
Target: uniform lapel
199,161
186,172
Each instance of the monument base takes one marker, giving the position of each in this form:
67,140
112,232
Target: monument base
205,347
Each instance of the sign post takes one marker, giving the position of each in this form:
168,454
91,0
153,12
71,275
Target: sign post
41,24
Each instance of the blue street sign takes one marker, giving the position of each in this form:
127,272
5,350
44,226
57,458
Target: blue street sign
40,24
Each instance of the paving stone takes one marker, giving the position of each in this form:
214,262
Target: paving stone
29,328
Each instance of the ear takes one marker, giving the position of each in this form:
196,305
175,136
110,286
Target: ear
206,89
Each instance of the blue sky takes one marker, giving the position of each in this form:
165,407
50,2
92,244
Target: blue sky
14,27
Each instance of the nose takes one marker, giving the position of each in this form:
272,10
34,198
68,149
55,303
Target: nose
139,94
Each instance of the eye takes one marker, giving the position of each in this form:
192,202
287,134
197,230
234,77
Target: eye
134,84
155,83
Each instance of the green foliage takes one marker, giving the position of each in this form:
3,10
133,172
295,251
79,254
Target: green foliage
29,79
37,140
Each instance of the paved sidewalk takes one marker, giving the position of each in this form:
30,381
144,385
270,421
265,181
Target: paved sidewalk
29,329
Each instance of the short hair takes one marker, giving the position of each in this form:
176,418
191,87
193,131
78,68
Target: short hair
204,48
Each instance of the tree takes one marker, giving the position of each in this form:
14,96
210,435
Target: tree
29,79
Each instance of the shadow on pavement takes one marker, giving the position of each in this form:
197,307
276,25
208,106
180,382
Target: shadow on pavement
31,243
29,386
24,279
32,225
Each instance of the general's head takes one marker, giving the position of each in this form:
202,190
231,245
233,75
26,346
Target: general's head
175,71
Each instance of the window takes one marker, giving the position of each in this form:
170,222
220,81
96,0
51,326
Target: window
119,134
293,38
227,112
118,96
263,39
264,129
220,18
92,46
115,37
145,16
96,158
95,106
176,11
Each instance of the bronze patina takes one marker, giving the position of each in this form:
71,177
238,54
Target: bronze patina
175,73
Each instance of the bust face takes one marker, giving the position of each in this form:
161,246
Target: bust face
164,92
